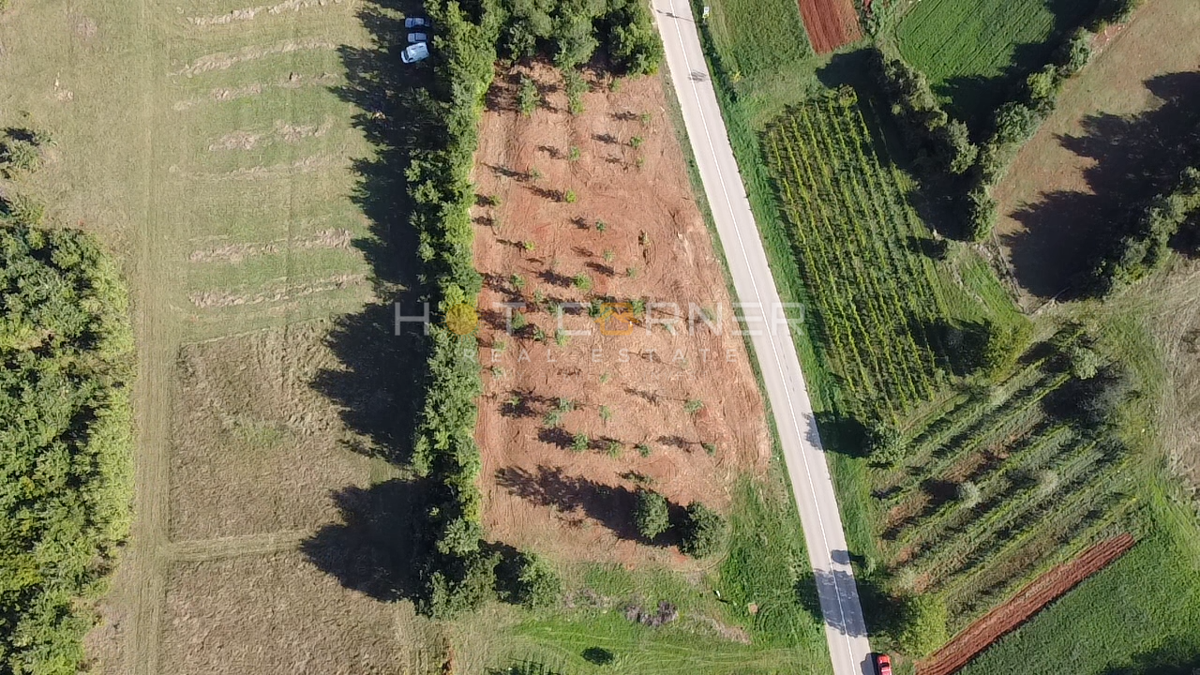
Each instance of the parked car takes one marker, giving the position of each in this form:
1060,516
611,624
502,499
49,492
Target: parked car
414,38
415,22
883,664
414,53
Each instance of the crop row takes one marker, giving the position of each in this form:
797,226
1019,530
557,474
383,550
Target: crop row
852,225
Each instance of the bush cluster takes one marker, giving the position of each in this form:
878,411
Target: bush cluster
65,427
571,31
941,145
1144,244
458,570
701,530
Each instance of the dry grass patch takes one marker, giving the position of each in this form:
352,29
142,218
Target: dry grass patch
256,448
279,615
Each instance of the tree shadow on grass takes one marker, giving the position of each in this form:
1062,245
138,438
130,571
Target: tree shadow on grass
1134,159
375,549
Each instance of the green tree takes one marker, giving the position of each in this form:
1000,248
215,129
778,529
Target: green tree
651,514
923,625
702,531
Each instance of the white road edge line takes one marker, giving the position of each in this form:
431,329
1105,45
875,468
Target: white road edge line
758,296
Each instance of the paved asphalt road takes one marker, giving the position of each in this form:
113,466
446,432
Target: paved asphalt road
809,473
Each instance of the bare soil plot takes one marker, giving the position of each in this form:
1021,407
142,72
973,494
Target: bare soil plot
278,614
625,390
830,23
1029,601
1073,173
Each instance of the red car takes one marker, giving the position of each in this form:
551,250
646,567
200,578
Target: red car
883,664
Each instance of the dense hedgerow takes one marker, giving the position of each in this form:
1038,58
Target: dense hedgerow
458,571
65,426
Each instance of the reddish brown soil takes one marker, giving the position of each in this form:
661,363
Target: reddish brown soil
1029,601
539,493
830,23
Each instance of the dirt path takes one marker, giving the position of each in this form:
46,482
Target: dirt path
144,570
1029,601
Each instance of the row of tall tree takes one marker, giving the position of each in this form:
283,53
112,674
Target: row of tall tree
458,570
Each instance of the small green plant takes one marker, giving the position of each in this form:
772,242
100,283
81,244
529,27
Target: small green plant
636,142
570,197
638,307
519,321
608,255
631,272
535,174
614,85
601,226
539,335
645,117
606,414
573,154
529,246
499,346
575,87
565,404
552,418
513,401
493,200
693,406
561,338
613,449
517,281
539,298
527,96
498,372
639,162
710,449
580,442
605,377
702,532
642,449
582,282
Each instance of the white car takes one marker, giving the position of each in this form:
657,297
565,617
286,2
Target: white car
415,21
414,38
414,53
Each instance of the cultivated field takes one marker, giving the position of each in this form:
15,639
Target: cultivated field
973,51
856,235
880,300
830,23
674,408
997,487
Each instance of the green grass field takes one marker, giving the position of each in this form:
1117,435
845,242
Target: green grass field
749,614
763,50
974,51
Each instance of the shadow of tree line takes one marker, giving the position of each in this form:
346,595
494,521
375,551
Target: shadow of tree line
1134,159
379,544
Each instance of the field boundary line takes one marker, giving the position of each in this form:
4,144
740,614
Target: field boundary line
201,550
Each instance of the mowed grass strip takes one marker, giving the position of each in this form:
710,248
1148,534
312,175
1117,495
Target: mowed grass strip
972,49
